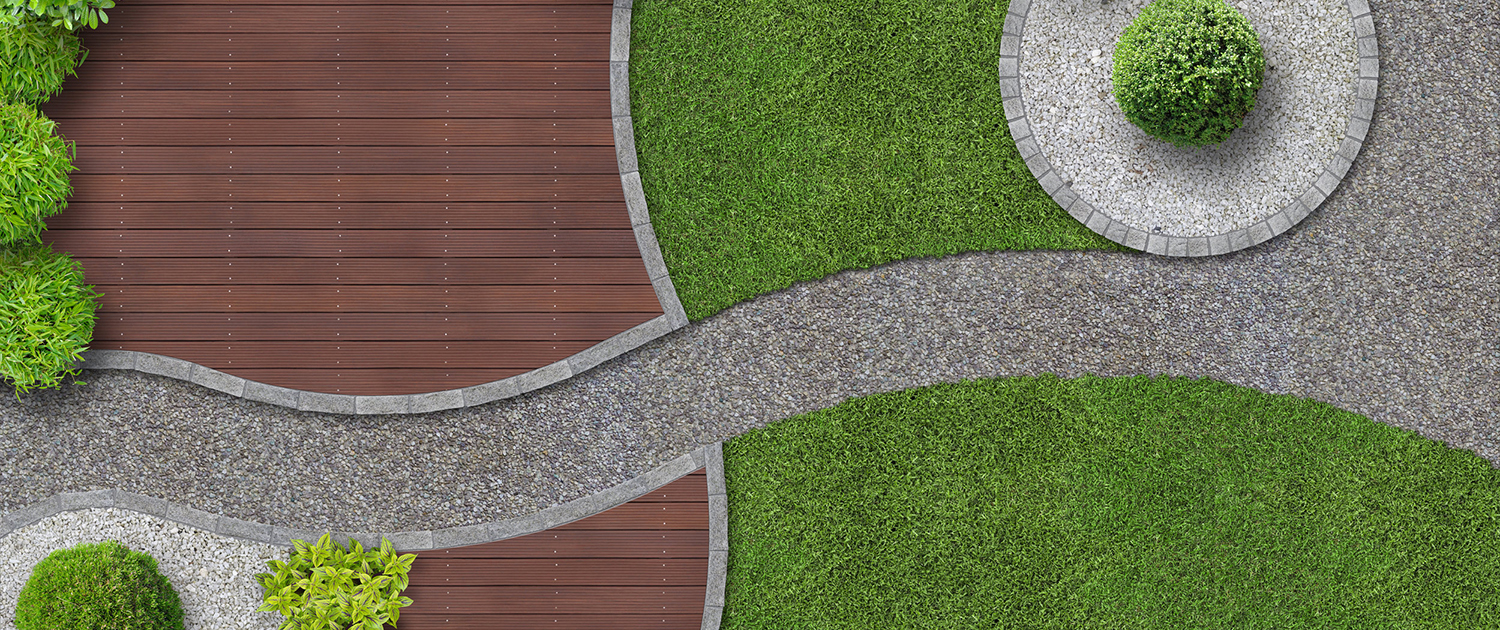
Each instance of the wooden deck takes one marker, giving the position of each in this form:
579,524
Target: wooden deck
641,565
378,198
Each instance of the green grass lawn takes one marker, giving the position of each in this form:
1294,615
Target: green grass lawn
787,141
1037,502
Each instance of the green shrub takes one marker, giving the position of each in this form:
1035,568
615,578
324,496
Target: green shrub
70,14
325,586
102,586
34,166
46,316
35,57
1186,71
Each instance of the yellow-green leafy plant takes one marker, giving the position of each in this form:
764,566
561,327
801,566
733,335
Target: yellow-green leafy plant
70,14
1186,71
46,316
101,586
35,59
328,587
34,166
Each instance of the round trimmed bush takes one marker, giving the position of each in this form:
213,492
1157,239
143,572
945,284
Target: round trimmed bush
46,316
34,166
35,58
102,586
1186,71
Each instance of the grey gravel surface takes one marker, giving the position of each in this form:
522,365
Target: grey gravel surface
213,575
1381,302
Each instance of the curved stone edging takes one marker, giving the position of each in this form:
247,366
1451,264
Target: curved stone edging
1059,186
709,457
635,201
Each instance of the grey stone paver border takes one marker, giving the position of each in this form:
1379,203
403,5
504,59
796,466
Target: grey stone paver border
1059,186
674,316
708,457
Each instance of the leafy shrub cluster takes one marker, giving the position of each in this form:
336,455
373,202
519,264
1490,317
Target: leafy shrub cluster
34,166
35,58
46,312
70,14
46,316
326,587
1186,71
103,586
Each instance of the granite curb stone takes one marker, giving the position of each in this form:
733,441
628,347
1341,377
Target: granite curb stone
674,316
1174,246
718,535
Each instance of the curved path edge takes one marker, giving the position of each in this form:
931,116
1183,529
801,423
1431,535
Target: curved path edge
1059,186
674,316
709,457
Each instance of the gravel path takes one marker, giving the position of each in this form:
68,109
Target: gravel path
1375,303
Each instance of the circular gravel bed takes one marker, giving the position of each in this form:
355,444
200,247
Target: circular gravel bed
213,575
1301,112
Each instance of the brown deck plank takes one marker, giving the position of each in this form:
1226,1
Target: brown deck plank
352,160
641,515
356,271
342,75
684,489
589,544
246,243
139,327
531,600
107,46
323,104
374,299
566,572
542,17
83,215
332,132
618,621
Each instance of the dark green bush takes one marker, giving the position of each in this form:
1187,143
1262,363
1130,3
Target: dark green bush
102,586
70,14
35,58
46,316
1186,71
34,166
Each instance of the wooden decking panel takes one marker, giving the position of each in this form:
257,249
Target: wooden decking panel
360,326
132,215
218,103
331,195
412,17
356,46
642,564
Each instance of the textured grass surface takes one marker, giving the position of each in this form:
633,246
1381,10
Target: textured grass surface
96,587
787,141
1134,502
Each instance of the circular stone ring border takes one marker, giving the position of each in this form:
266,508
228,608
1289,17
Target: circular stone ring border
1059,186
673,318
709,457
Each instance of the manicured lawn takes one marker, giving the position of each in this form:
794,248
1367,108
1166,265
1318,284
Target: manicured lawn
1037,502
787,141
